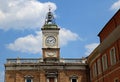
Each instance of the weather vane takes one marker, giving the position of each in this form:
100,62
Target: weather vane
49,8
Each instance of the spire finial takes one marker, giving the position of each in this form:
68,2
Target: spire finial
50,8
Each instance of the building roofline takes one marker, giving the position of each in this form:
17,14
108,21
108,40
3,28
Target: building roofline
108,22
105,44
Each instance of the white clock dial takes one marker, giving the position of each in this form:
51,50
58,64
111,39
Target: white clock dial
50,41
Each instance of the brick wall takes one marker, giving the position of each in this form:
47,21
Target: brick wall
39,76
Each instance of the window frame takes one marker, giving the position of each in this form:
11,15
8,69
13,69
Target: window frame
99,67
28,77
91,74
94,70
73,77
104,62
112,56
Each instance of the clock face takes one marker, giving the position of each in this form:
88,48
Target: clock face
50,41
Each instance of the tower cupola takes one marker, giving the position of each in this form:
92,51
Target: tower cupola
50,18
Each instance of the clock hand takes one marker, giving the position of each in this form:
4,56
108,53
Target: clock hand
51,40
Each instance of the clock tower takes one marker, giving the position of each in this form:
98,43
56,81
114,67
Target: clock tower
50,39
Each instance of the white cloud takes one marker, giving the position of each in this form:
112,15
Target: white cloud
90,47
66,36
116,5
33,43
23,14
30,44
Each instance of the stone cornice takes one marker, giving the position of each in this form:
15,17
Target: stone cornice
44,66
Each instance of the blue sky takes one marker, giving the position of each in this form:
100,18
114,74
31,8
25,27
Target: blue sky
80,22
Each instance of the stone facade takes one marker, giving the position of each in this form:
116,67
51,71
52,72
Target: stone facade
42,71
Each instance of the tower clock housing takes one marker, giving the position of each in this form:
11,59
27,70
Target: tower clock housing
50,39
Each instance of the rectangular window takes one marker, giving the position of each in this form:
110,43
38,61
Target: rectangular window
91,75
112,56
74,80
104,62
99,66
28,80
51,79
94,70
